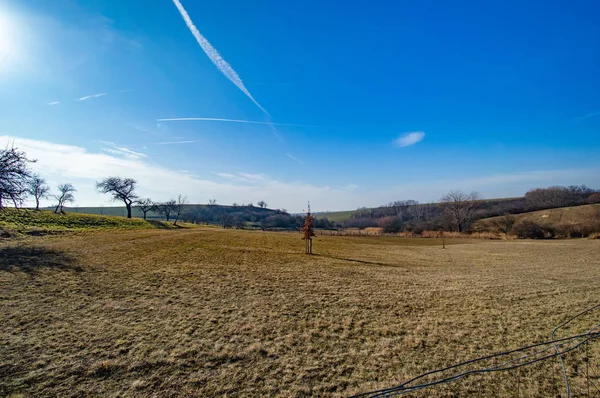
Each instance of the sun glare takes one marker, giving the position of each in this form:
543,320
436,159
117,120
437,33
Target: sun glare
8,48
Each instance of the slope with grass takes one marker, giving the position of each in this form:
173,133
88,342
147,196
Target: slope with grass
31,221
560,216
212,312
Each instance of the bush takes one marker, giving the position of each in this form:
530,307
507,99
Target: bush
594,198
391,225
577,230
533,230
504,224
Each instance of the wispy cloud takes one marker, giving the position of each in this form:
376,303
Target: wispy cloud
245,177
214,119
53,103
111,147
589,115
294,158
127,90
174,142
409,139
91,96
215,57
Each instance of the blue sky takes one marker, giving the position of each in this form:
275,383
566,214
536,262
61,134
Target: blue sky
497,97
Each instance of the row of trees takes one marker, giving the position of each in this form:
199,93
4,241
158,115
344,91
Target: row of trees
17,182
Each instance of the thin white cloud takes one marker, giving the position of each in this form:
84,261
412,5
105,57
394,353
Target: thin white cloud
174,142
225,175
589,115
214,119
253,177
53,103
91,96
294,158
127,90
409,139
215,57
111,147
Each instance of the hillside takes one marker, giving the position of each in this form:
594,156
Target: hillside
565,222
564,215
31,222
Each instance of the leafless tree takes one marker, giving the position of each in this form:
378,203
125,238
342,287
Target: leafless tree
65,195
166,208
212,202
179,207
459,208
504,224
145,205
120,189
14,175
262,204
38,189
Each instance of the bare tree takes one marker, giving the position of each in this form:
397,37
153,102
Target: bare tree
145,205
212,202
120,189
459,208
65,195
38,189
262,204
179,207
166,208
14,175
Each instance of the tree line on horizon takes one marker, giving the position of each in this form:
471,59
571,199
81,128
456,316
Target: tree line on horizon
457,211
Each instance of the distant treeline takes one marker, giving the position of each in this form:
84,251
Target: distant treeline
458,212
247,216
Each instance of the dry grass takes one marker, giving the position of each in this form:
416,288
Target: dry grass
564,215
237,313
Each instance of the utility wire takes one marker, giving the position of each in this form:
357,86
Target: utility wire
557,344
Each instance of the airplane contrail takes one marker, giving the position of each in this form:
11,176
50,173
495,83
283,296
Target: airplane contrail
215,57
214,119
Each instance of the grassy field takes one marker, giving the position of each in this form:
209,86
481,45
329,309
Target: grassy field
40,222
336,216
562,215
210,312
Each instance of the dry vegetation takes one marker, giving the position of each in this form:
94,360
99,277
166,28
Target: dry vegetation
210,312
565,220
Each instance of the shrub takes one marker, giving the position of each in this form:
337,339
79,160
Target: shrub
391,225
579,230
594,198
533,230
504,224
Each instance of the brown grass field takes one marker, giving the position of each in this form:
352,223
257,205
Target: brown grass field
209,312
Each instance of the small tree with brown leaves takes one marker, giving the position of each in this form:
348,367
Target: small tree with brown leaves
308,231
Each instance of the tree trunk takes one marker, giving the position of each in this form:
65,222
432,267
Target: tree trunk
37,203
145,215
128,205
56,210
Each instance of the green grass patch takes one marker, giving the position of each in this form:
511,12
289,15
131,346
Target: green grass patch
31,221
